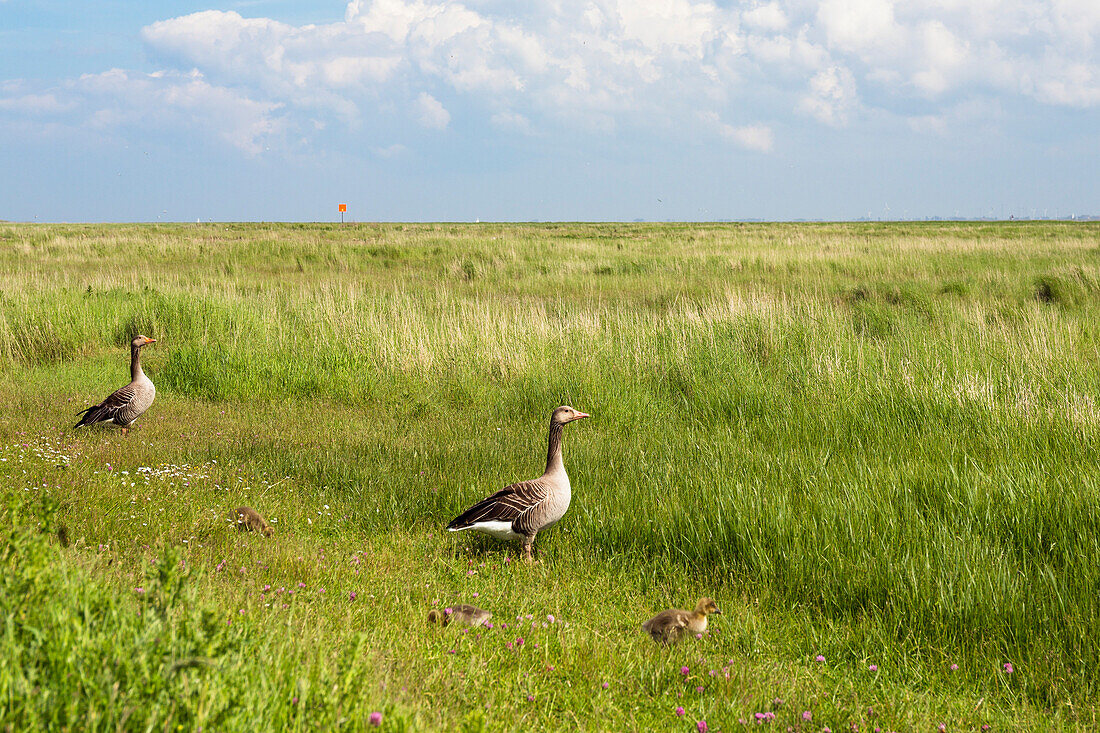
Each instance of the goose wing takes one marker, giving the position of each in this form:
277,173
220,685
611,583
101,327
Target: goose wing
109,408
507,505
666,626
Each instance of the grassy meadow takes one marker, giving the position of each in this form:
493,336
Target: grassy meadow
876,445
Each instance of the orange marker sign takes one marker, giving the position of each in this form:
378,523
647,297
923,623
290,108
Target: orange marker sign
343,208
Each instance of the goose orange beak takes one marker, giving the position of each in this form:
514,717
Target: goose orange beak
149,340
581,415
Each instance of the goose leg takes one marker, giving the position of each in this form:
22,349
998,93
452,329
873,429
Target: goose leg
527,552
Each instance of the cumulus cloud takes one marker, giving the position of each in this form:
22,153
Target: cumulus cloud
118,98
431,113
625,58
509,120
676,26
314,67
593,65
944,56
605,59
831,96
1072,83
964,114
751,137
766,17
862,27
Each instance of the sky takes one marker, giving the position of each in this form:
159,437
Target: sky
548,110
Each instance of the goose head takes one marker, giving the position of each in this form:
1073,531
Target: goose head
706,606
140,341
566,414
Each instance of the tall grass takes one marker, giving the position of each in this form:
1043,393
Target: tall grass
887,428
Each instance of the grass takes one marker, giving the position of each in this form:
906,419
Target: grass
870,442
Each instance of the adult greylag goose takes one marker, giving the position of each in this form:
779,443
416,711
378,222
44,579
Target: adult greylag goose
520,511
127,404
667,626
463,614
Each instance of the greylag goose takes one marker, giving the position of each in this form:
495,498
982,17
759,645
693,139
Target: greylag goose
520,511
249,520
463,614
667,626
128,403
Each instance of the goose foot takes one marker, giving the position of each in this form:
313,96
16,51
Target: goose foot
527,555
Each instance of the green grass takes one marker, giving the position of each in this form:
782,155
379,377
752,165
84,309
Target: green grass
873,442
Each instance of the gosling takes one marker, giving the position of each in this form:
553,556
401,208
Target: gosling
249,520
668,626
463,614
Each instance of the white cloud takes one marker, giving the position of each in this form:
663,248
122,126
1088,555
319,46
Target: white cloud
594,17
243,122
831,95
770,49
306,62
220,40
430,112
592,65
1074,84
968,115
118,98
944,57
607,59
751,137
941,47
670,25
766,17
390,151
430,23
512,121
859,26
345,71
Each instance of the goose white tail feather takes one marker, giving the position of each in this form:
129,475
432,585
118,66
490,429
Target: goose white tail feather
498,529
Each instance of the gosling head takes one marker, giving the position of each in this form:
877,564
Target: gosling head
566,414
706,606
140,341
269,531
439,617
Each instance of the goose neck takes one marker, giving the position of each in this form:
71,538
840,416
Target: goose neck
553,453
135,363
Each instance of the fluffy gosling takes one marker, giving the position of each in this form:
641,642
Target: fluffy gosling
463,614
249,520
668,626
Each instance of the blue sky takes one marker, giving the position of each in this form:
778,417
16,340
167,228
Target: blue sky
558,110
